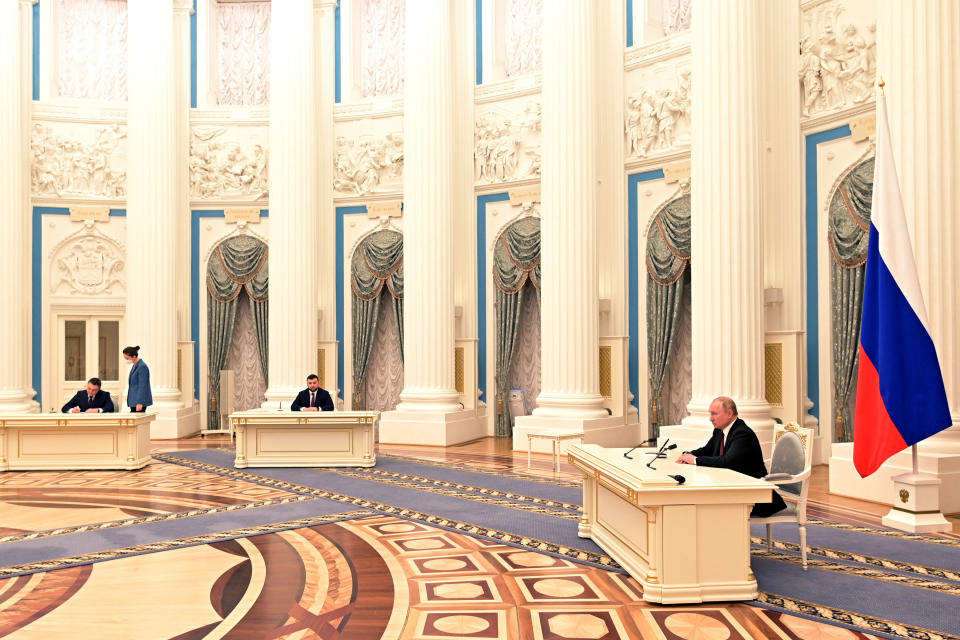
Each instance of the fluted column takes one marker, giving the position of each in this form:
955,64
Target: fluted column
570,335
428,314
781,171
727,238
293,199
153,199
918,44
182,10
324,15
16,37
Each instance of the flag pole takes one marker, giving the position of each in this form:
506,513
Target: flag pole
913,450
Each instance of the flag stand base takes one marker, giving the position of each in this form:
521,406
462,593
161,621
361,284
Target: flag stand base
916,505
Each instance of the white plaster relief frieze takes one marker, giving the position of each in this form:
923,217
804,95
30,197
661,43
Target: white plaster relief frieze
368,164
504,151
658,118
837,61
220,166
88,262
65,166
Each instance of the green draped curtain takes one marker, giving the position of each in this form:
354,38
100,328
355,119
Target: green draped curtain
378,261
237,263
668,256
516,260
848,236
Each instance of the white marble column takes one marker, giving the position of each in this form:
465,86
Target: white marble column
16,38
294,220
727,229
428,322
182,10
429,411
154,204
781,171
324,16
569,299
918,44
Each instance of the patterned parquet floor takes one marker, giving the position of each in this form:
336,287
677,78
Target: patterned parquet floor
355,576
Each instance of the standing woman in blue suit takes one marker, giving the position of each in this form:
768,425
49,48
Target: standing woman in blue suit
138,385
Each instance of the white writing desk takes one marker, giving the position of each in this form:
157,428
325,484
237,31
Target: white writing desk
304,438
688,543
69,441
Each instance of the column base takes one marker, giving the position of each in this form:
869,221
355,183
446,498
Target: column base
945,468
175,423
430,428
608,432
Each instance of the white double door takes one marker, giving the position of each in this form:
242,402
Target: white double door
87,346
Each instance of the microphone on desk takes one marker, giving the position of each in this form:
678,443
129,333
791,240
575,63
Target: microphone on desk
660,452
679,478
647,441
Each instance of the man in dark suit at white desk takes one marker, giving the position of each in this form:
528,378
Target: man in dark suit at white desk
93,400
313,398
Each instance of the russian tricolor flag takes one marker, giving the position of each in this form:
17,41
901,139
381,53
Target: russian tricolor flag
900,395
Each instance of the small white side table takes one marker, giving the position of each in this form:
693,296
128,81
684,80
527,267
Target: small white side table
555,436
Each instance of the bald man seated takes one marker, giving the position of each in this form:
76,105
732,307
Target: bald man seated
735,446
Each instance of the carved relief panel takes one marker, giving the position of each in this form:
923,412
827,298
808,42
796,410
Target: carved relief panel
507,141
229,162
71,159
657,111
838,56
368,157
89,261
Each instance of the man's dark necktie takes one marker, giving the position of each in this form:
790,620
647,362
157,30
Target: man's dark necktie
90,400
313,398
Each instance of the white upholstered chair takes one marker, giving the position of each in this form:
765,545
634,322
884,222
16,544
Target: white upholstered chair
790,471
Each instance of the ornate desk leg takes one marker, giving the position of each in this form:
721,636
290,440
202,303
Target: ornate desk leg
556,455
529,446
4,463
589,493
241,460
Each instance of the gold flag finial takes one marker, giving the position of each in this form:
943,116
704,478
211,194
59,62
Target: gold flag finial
882,84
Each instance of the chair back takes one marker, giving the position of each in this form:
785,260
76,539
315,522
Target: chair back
792,453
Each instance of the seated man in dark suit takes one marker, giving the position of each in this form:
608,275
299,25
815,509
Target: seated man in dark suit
93,400
733,445
313,398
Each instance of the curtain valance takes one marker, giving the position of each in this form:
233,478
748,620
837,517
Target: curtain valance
668,242
517,256
378,260
240,261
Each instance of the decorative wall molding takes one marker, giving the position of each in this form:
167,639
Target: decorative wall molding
368,164
87,262
837,118
65,166
505,151
673,46
658,118
221,167
76,113
516,87
838,60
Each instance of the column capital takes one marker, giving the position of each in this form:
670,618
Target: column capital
325,5
183,6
